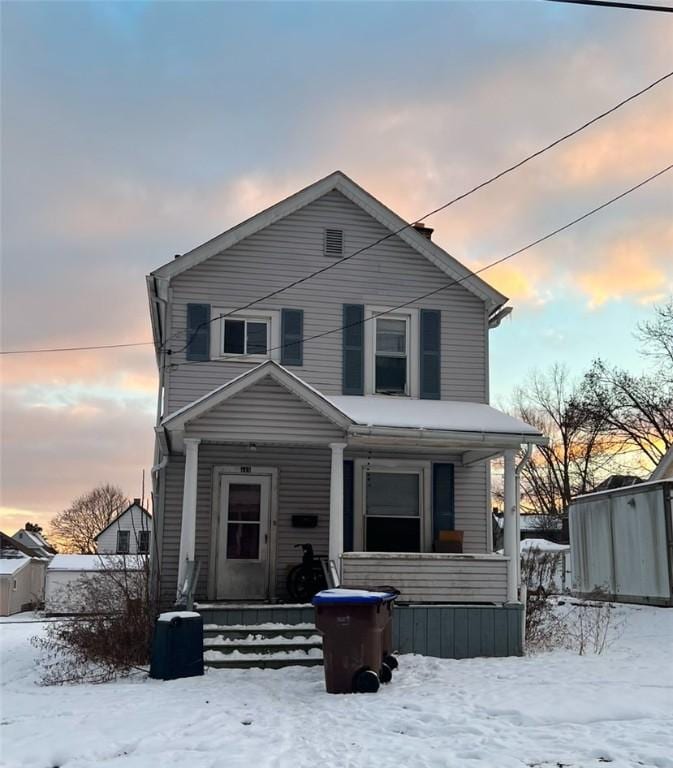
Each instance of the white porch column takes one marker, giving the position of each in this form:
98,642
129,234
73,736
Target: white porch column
511,545
336,505
188,528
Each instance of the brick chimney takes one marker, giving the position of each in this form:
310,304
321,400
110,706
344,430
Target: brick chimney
423,230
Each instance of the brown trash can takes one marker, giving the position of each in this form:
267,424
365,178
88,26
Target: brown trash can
356,626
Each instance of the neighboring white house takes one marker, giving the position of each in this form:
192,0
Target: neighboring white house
129,533
664,469
35,542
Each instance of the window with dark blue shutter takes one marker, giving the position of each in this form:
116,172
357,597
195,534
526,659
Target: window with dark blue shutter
353,349
198,332
430,353
291,336
443,508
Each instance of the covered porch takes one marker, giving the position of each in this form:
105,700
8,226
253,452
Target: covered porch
266,463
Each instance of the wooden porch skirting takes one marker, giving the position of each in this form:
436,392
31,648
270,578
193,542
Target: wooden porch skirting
445,631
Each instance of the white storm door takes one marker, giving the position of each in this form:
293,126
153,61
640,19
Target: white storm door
243,538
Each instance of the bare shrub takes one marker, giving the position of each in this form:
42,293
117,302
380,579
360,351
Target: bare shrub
111,634
591,626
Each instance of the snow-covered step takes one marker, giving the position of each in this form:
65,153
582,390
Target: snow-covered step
242,632
257,644
272,645
236,659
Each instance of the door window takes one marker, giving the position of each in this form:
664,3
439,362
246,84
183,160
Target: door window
244,521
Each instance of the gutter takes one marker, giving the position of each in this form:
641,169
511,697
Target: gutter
498,316
464,436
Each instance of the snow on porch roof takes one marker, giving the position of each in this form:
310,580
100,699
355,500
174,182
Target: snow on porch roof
444,415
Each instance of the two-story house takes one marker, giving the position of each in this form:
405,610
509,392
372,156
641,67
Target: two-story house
348,410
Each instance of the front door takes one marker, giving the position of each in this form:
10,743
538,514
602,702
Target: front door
243,538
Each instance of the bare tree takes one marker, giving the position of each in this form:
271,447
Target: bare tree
578,456
77,526
638,409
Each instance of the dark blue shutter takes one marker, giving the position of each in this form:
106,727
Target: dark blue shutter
198,331
348,505
291,336
443,510
353,349
430,362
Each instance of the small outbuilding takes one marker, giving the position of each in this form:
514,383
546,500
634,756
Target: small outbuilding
21,577
621,544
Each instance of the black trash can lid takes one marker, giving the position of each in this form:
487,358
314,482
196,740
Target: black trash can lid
340,596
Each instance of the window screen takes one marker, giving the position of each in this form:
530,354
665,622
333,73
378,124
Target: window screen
392,515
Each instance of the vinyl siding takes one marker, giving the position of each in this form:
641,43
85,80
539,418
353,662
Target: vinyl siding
432,578
303,488
266,412
133,520
388,274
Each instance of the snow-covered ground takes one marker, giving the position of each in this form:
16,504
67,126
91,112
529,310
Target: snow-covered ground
551,710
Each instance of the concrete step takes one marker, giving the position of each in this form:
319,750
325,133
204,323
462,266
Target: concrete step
258,648
262,662
264,631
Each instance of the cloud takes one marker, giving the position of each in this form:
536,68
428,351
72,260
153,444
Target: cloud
633,265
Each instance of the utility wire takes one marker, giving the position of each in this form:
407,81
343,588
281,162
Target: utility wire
435,291
451,202
443,207
613,4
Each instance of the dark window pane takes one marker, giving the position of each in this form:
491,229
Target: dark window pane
143,542
123,542
234,337
393,534
256,338
242,541
390,493
244,501
391,374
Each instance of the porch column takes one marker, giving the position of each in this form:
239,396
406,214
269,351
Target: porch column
188,528
511,545
336,505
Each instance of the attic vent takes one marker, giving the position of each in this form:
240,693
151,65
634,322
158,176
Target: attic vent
334,242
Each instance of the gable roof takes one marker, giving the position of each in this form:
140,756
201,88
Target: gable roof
11,544
120,515
272,369
340,182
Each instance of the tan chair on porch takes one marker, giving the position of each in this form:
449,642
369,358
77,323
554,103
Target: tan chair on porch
449,541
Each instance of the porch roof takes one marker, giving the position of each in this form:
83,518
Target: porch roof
372,417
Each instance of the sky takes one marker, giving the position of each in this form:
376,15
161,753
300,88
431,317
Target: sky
133,131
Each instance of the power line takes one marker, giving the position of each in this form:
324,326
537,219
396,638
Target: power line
435,291
613,4
443,207
451,202
74,349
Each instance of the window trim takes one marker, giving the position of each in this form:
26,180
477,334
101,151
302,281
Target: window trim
372,313
272,318
392,466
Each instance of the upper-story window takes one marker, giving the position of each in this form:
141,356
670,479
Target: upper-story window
391,352
255,336
123,542
391,369
143,539
245,337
